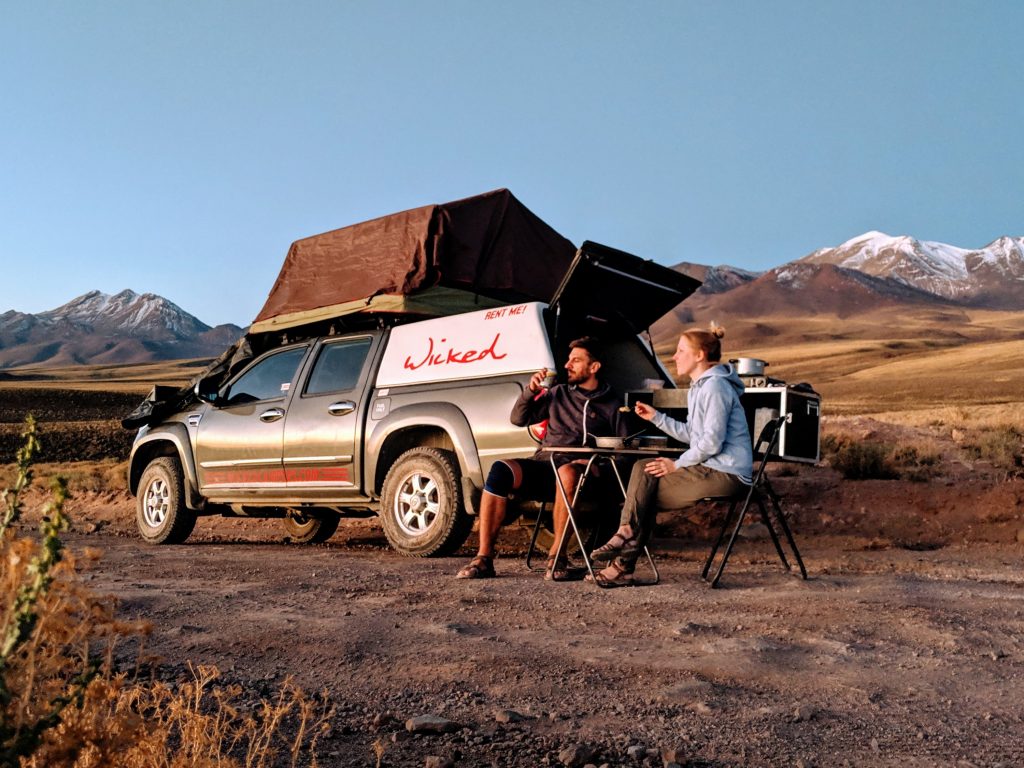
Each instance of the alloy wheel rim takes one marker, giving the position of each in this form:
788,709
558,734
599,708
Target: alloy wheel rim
157,503
417,504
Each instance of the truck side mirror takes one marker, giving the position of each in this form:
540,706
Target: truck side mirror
207,391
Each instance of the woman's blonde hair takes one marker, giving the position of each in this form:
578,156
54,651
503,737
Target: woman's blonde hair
710,341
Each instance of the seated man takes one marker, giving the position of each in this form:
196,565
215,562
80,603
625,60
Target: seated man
585,406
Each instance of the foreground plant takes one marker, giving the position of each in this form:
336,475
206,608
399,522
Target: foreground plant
63,704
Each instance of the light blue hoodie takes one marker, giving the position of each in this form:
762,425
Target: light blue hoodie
716,426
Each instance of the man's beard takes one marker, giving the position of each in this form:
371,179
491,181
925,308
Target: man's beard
575,378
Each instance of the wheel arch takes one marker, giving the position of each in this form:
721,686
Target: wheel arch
171,440
431,425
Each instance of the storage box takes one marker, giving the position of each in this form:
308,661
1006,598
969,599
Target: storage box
800,438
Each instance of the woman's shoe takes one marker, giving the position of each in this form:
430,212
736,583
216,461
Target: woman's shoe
615,575
615,546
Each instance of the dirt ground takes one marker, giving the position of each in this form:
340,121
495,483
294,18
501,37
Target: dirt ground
889,654
904,647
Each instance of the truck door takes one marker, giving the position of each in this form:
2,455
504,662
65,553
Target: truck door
238,442
324,429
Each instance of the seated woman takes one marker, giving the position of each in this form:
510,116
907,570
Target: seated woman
718,462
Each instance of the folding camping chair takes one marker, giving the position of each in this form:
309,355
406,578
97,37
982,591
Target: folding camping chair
761,493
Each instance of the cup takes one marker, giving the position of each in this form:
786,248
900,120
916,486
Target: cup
549,379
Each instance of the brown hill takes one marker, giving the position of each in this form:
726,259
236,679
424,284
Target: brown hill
770,306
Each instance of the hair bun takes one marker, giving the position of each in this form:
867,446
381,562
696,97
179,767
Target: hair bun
716,330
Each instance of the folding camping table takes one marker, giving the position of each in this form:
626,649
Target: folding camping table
595,454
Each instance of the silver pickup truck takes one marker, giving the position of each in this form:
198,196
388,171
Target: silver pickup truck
401,421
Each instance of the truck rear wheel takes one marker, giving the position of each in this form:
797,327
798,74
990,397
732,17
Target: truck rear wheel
421,504
160,511
303,528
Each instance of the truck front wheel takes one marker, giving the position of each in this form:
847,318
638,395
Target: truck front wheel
421,504
160,511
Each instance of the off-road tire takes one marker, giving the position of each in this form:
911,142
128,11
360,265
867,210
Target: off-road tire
310,529
421,507
160,511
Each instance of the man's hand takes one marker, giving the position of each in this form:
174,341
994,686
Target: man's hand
644,411
537,380
660,466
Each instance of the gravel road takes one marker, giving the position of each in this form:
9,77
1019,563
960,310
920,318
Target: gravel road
884,657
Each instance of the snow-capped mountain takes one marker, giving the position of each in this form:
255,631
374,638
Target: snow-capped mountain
128,312
992,276
101,328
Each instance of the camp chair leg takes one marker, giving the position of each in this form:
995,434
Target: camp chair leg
789,535
719,540
732,541
771,532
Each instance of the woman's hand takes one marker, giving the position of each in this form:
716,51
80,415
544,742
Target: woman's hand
644,411
660,466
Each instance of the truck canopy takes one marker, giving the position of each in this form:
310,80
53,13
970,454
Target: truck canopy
482,251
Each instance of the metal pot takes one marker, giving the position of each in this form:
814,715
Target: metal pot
749,366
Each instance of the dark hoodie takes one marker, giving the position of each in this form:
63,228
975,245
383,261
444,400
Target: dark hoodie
573,414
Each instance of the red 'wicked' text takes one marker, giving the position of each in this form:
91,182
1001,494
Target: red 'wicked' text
440,356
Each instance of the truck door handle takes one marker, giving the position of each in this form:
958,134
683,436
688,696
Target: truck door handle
341,408
272,415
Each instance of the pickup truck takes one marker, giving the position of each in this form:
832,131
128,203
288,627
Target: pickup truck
403,420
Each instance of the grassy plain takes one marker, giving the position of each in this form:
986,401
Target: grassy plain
108,378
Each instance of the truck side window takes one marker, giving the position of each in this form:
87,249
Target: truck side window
338,366
266,379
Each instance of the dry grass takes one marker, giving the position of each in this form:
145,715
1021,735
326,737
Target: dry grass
950,417
105,475
65,704
120,723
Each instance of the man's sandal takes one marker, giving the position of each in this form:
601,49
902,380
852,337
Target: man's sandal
480,567
615,546
619,577
557,570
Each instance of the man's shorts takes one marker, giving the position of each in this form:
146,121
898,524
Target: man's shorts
522,478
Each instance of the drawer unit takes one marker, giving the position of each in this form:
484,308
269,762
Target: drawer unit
800,438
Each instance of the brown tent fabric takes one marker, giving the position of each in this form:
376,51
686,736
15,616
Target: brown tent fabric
490,245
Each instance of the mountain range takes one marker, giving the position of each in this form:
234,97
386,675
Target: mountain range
841,292
831,293
99,328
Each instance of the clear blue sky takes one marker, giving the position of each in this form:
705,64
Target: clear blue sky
179,148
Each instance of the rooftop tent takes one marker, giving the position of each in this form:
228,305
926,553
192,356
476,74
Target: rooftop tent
439,259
